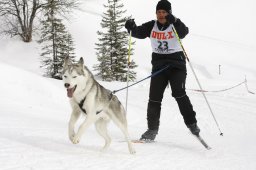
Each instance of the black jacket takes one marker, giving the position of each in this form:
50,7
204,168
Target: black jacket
160,60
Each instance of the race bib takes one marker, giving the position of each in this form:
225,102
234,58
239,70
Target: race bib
164,42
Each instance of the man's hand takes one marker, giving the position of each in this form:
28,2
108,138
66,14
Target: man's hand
130,24
170,18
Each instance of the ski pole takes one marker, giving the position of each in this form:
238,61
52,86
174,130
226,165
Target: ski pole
128,69
174,30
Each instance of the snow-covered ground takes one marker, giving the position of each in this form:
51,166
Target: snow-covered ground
34,110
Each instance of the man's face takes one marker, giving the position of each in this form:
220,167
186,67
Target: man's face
160,15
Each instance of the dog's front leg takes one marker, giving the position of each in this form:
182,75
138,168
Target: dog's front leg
87,122
73,119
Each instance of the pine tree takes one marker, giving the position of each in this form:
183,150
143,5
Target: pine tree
112,48
57,44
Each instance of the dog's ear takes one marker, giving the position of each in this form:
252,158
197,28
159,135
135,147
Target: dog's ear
66,61
81,61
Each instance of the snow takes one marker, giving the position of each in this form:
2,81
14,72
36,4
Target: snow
34,110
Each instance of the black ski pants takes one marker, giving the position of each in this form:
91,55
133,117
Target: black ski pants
176,77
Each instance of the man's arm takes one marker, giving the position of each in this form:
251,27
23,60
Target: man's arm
181,28
141,32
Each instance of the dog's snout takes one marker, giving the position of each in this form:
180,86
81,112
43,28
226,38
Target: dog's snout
67,85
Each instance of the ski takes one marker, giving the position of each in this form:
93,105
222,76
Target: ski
199,138
142,141
203,142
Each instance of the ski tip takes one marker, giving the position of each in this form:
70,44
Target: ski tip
203,142
138,141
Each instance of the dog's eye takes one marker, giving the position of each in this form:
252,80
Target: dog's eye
65,76
74,77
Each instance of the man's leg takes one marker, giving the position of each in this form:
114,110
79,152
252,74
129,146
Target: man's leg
157,87
177,80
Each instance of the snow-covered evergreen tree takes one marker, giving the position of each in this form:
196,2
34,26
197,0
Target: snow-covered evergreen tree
57,44
112,48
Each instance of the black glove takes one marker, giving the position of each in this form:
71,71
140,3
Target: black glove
130,24
170,18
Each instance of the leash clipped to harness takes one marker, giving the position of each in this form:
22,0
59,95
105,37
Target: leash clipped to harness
152,75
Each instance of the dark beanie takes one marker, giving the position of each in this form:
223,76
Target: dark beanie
164,5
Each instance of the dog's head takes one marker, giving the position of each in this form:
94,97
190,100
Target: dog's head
73,76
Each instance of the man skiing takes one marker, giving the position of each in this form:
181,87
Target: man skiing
166,51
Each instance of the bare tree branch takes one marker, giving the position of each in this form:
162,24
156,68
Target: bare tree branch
17,17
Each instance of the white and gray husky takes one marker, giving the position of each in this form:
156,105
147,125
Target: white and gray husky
97,103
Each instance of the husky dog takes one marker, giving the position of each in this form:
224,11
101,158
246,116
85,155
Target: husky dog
97,103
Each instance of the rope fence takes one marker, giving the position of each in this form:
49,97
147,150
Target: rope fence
216,91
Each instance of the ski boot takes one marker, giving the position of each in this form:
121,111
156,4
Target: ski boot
194,129
149,135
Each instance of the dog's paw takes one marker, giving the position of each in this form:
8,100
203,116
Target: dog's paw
71,137
75,139
132,151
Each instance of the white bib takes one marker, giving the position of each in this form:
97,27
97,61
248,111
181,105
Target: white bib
164,42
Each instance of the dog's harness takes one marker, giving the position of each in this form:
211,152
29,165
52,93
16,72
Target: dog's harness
81,103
